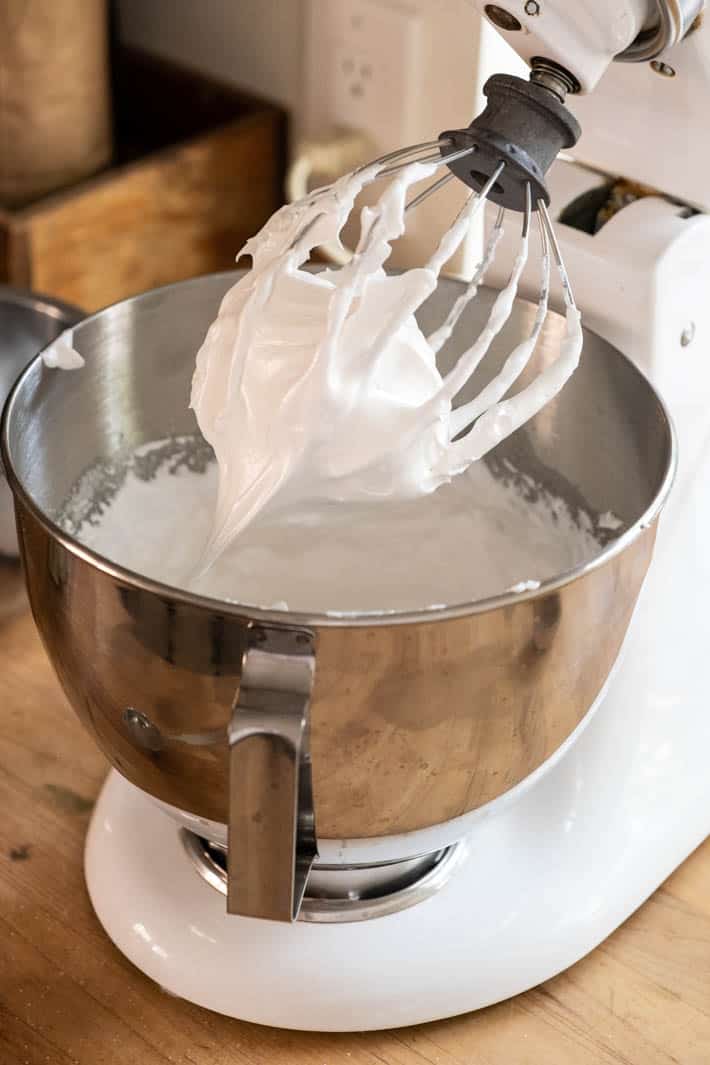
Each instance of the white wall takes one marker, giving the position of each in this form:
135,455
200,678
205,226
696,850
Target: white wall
265,45
260,45
254,44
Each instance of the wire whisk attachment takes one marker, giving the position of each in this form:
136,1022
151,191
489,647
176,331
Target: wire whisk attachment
373,418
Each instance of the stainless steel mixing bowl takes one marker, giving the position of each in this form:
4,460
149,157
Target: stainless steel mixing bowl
409,720
28,323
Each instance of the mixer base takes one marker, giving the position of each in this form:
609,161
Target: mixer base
547,876
544,882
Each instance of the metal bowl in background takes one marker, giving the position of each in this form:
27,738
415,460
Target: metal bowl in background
28,323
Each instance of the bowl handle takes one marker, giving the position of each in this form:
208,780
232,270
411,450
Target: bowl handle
272,837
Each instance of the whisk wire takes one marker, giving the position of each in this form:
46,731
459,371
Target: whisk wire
557,252
500,312
393,162
455,235
437,159
404,153
528,210
378,169
439,337
379,314
515,364
439,184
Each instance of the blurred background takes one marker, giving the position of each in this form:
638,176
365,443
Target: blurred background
142,141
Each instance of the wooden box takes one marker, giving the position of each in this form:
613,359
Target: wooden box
198,167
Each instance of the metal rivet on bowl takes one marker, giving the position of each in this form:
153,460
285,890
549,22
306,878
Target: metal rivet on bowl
142,730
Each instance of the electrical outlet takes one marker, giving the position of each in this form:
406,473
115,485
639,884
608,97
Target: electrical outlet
371,67
398,72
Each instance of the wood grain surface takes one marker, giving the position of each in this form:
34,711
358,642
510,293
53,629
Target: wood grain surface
197,169
184,212
67,997
55,108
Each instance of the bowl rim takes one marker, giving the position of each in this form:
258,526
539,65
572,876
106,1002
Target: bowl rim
49,306
332,619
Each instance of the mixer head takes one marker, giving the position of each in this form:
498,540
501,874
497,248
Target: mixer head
523,128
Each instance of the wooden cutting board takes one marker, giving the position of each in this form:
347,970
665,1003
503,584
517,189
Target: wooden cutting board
67,997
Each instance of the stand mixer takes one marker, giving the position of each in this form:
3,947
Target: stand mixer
364,824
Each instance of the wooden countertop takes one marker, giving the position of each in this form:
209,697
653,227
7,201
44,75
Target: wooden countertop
67,997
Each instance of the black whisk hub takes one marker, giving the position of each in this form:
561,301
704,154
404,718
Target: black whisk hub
524,126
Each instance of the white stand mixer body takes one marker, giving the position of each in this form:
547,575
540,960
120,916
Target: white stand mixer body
555,866
545,880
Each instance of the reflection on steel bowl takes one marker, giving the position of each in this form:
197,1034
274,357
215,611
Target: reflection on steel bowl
28,323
